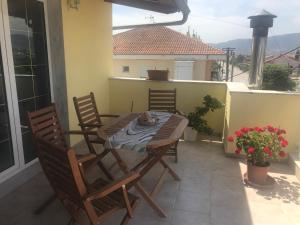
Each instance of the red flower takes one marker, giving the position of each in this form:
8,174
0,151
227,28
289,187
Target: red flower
284,143
230,139
258,129
239,133
270,128
245,130
238,151
281,131
280,138
282,154
267,150
251,150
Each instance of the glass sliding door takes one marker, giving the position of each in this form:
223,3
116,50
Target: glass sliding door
24,79
30,59
6,148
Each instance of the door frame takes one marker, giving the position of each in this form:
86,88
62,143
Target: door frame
6,74
12,88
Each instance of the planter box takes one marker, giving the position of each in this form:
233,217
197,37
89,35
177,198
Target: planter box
190,134
162,75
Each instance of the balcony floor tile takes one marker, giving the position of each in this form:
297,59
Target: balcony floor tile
211,192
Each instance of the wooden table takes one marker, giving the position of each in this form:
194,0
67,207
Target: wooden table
168,134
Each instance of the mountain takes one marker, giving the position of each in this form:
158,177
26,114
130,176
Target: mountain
276,44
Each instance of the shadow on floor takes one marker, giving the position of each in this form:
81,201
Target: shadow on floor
284,190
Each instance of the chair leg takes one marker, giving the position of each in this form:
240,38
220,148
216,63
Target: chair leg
71,221
127,217
176,152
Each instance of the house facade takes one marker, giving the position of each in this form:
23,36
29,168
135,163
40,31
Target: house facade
158,47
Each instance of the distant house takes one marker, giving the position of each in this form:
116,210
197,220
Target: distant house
187,58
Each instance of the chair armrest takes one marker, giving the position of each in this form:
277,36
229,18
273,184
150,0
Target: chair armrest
94,125
180,113
79,132
109,115
81,159
115,185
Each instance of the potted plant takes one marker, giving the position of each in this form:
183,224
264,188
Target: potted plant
196,121
161,75
261,145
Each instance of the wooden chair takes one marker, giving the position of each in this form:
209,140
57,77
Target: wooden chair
45,123
98,200
89,121
164,101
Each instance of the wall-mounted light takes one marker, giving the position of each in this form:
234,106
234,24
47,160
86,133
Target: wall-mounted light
74,4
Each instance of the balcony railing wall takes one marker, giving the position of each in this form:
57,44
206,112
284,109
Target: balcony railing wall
124,91
261,108
244,107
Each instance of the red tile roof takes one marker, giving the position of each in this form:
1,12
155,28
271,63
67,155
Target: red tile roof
158,40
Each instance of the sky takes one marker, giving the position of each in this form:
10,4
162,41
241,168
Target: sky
218,20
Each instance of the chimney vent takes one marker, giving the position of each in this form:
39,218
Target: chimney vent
260,24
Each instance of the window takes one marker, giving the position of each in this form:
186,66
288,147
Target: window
125,69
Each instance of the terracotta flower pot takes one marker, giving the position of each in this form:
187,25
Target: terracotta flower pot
257,174
162,75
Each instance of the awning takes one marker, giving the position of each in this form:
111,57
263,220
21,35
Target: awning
161,6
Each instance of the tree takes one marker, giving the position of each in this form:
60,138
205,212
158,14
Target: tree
278,77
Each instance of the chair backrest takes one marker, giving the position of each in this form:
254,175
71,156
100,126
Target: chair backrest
162,100
87,112
45,124
61,168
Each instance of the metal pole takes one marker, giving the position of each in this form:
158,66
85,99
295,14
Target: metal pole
227,64
260,24
232,66
228,52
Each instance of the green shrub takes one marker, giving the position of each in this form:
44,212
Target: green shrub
196,120
278,77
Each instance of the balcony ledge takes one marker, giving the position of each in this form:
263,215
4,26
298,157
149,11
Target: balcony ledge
169,81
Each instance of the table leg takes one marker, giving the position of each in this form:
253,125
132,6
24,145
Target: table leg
172,172
159,183
138,186
149,200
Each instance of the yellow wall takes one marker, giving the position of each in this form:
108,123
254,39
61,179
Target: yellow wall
254,108
138,65
88,53
189,95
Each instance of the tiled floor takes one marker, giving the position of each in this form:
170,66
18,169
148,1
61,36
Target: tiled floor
211,193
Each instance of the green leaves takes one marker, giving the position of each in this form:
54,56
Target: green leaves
277,77
196,120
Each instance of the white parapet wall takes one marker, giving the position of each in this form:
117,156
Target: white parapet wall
260,108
